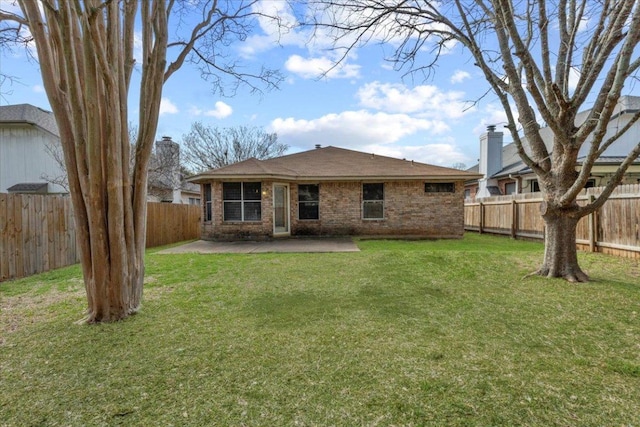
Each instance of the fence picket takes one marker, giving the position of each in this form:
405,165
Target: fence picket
614,228
37,232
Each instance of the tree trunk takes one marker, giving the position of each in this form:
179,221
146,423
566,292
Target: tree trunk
113,269
560,252
86,66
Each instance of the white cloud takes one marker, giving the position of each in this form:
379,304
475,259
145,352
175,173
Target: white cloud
494,114
425,100
441,154
353,129
167,107
283,30
220,111
378,133
311,68
459,76
38,89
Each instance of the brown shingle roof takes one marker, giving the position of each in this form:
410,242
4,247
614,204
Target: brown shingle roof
330,164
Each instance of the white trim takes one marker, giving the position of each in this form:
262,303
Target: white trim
287,205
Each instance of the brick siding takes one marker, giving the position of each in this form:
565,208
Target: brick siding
408,211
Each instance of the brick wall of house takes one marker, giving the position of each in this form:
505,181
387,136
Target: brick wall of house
217,229
408,211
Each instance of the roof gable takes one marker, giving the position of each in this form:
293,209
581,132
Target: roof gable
333,163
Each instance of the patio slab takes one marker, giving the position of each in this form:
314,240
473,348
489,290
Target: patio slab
278,245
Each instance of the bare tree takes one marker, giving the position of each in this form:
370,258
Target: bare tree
165,174
86,55
459,165
206,147
54,150
529,53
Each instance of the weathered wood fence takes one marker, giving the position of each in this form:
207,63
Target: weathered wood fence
614,228
37,232
169,223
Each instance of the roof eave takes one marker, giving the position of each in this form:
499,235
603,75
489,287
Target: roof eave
218,177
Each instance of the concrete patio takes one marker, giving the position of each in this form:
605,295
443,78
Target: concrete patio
343,244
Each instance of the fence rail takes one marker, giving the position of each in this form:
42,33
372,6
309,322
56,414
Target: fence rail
37,232
614,228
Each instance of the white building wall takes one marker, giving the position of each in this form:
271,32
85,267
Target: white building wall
24,158
623,146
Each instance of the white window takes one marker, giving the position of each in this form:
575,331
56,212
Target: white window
308,201
510,188
373,201
242,201
439,187
207,202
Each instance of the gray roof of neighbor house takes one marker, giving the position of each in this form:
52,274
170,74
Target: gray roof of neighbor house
28,187
512,164
331,164
29,114
521,168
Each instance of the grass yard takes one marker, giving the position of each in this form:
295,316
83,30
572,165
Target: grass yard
404,333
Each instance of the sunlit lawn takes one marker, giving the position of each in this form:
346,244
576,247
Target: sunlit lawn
417,333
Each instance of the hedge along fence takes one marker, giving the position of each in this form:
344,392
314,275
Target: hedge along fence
614,228
38,233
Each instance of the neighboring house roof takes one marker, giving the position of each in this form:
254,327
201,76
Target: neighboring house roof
29,114
512,164
190,187
331,164
521,169
29,187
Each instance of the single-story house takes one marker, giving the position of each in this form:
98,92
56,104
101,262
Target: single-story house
332,191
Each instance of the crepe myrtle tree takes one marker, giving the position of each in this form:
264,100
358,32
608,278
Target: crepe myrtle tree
528,52
207,147
86,52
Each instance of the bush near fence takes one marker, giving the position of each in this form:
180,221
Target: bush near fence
37,232
614,228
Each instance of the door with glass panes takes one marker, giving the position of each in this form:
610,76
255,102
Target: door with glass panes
280,209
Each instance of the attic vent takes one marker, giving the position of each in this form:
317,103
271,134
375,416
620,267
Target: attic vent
318,146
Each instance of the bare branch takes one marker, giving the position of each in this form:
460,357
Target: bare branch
206,147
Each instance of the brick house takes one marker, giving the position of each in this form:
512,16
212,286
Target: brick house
331,191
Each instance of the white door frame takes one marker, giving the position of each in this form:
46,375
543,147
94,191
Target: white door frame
282,231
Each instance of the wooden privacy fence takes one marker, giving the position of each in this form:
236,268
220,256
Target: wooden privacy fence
37,232
614,228
169,223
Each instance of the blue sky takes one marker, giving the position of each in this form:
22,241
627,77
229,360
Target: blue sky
363,104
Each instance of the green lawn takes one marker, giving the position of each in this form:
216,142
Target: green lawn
416,333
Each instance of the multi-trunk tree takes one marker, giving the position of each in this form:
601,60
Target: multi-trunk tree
545,60
86,53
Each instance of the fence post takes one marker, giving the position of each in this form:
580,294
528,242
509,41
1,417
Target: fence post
481,225
514,219
593,230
